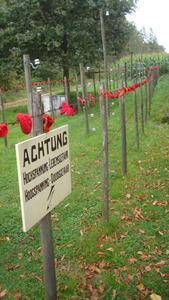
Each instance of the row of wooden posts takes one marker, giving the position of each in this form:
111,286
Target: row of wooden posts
143,119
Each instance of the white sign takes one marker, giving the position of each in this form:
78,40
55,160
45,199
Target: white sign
43,164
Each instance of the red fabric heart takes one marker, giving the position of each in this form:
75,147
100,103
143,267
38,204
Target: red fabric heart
48,123
64,107
3,130
110,95
103,94
81,101
70,111
92,99
25,123
117,94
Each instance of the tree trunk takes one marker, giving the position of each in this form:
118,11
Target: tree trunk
66,73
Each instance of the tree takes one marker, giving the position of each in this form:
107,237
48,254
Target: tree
66,32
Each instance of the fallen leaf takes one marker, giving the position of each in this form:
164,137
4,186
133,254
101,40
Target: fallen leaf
155,297
110,249
20,255
102,288
131,261
147,269
81,266
140,287
18,295
114,295
3,293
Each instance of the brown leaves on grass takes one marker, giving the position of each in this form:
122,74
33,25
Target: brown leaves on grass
3,293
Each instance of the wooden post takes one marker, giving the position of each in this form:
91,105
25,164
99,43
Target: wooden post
66,90
131,66
50,98
117,76
113,80
26,62
141,108
139,69
135,117
123,132
145,102
105,60
109,82
118,72
94,84
3,118
77,95
99,73
136,72
105,183
84,98
149,106
126,74
45,224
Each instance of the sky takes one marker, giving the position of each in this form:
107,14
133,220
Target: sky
153,14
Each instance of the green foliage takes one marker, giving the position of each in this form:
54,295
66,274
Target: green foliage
143,42
149,60
65,33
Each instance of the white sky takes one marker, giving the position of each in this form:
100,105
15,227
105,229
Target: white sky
153,14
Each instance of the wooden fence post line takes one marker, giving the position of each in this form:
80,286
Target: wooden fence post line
45,226
109,88
50,98
105,182
94,84
26,62
3,118
84,98
77,95
86,93
66,90
145,102
131,65
105,61
149,106
126,74
113,80
118,72
136,72
135,117
117,76
123,132
141,107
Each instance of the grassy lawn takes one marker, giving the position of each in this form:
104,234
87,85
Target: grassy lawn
124,259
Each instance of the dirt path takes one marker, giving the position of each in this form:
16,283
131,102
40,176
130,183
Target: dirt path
18,102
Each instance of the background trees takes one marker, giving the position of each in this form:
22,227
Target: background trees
65,32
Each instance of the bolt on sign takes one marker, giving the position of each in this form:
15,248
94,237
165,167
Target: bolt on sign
43,164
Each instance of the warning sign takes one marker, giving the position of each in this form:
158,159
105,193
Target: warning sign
43,164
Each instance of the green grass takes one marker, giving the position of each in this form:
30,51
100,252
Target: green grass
95,260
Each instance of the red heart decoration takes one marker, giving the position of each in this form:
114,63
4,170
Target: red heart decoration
3,130
25,123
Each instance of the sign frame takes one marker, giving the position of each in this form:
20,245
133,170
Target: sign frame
44,174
